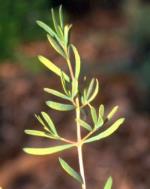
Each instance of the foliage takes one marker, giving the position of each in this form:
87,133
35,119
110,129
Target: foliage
76,100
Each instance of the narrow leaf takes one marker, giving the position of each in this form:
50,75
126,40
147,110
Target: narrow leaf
46,151
67,33
70,170
56,93
54,20
90,88
49,122
113,111
46,28
59,106
101,110
99,123
74,87
38,133
42,123
55,45
107,132
93,114
61,17
77,62
84,124
51,66
95,91
108,184
63,82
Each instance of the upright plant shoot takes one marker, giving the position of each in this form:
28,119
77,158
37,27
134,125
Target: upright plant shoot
76,100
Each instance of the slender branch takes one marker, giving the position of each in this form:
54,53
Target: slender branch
67,141
79,147
79,138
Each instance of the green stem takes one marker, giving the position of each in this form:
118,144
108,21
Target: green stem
79,147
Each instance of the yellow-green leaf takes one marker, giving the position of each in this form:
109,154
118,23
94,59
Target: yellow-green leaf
51,66
54,20
67,33
95,92
49,123
84,125
108,184
77,62
46,27
46,151
56,93
38,133
59,106
55,45
61,17
107,132
93,114
113,111
63,82
90,88
70,170
101,110
42,123
74,87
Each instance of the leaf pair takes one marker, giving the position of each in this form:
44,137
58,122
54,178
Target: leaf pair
97,119
91,92
48,125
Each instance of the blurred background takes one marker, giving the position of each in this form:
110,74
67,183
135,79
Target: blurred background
113,37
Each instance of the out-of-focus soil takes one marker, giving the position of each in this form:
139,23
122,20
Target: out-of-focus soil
125,155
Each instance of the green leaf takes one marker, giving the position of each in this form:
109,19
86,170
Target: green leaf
84,124
56,93
51,66
38,133
42,123
56,46
70,170
74,87
107,132
90,88
59,106
67,33
77,62
46,28
113,111
93,114
50,123
54,20
99,123
108,184
95,91
46,151
61,17
63,82
60,31
101,110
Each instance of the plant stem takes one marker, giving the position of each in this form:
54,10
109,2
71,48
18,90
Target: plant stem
79,147
79,138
